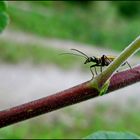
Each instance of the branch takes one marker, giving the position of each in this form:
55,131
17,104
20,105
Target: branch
67,97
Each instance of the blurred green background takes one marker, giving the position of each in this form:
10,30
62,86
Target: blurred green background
105,24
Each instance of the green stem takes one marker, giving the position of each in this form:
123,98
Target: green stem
100,80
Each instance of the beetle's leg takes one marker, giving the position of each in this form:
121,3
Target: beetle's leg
92,71
94,68
128,65
101,69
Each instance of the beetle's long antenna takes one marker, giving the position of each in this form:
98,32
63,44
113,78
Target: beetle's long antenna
80,52
74,54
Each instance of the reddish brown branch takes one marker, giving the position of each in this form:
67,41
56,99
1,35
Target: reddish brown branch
67,97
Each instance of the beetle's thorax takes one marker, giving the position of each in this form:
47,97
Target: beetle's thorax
92,59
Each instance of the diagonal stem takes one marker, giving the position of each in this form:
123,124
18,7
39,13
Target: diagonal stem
100,80
67,97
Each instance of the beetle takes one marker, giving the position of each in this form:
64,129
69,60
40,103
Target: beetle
102,61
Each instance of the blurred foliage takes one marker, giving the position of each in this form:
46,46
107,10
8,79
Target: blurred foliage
128,9
102,23
3,15
11,52
71,123
3,6
80,3
112,135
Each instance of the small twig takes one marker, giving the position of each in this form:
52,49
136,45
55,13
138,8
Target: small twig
67,97
99,81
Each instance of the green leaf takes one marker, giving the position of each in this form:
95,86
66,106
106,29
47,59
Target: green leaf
4,19
3,6
104,88
112,135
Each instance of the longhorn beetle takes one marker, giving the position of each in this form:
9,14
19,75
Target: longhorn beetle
102,61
